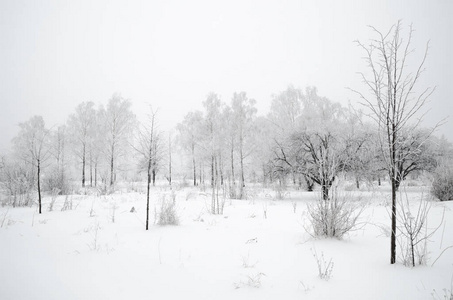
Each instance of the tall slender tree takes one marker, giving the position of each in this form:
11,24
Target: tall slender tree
244,112
81,128
147,145
32,145
393,100
119,121
189,137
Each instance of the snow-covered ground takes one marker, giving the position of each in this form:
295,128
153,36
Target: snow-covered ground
100,250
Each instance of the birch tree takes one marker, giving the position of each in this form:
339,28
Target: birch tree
147,146
244,114
119,121
189,137
394,100
31,144
81,127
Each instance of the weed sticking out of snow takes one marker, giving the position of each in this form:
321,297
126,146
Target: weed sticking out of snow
306,287
4,218
247,262
252,280
445,293
324,268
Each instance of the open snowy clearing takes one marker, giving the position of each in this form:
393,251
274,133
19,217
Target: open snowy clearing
100,250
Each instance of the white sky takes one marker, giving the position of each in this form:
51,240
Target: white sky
56,54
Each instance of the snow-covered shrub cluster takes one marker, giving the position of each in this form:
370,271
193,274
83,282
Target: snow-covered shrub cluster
334,217
166,213
17,183
57,181
442,187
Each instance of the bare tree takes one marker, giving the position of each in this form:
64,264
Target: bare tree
57,147
119,121
244,113
31,144
317,147
169,159
393,100
189,131
81,127
147,141
318,155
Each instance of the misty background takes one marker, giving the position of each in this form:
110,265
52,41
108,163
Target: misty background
171,54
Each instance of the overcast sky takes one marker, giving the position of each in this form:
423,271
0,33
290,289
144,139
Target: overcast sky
56,54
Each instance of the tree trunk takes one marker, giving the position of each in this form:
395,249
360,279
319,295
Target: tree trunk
325,191
83,167
111,168
233,182
213,187
309,183
212,170
147,193
39,185
394,188
95,174
194,166
242,182
216,183
393,236
200,174
220,168
169,166
91,170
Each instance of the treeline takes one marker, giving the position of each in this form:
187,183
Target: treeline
305,140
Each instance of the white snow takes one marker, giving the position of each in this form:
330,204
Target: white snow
238,255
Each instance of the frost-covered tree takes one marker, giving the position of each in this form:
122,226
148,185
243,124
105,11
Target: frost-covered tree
394,101
189,137
81,125
147,147
119,121
316,148
32,145
57,179
244,114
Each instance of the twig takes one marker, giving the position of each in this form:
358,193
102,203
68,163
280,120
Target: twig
441,254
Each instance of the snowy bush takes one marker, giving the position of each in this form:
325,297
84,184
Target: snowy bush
18,183
67,205
281,192
53,198
415,233
166,213
442,187
334,217
56,180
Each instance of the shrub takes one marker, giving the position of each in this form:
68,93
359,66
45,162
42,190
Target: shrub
442,187
56,180
334,217
167,214
18,183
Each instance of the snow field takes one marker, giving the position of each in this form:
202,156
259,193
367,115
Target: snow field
86,254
